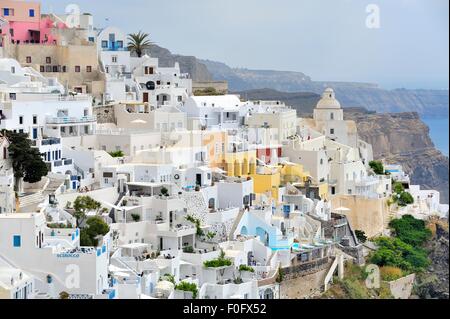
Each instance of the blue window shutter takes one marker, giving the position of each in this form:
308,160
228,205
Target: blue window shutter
17,241
6,12
31,12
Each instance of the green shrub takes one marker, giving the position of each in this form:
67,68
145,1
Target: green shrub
377,167
405,199
398,188
361,236
394,252
411,230
221,261
186,286
95,226
197,224
168,277
246,268
188,249
118,153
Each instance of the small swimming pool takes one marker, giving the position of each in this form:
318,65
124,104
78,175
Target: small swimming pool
294,246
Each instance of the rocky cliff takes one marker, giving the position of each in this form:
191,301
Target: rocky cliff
434,282
403,138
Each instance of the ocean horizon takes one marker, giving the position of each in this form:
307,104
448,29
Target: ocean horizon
439,132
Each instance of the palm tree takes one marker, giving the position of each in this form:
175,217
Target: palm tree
138,42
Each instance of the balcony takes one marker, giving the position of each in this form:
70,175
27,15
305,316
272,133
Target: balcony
71,120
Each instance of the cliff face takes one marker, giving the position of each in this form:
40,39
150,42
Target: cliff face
403,138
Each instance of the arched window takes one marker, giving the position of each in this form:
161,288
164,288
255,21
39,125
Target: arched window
332,116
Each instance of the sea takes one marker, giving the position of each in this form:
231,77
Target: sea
438,132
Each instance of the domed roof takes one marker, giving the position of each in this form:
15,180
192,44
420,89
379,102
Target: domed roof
328,100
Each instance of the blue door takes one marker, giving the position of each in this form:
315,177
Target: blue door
35,133
74,185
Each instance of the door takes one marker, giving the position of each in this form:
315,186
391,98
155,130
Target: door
145,97
35,133
199,179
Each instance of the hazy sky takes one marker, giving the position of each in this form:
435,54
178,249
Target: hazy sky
326,39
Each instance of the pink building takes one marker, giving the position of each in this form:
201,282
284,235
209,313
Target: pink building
23,23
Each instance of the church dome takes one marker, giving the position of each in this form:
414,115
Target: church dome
328,100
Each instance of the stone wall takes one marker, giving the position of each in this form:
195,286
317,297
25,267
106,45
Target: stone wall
305,268
366,214
304,285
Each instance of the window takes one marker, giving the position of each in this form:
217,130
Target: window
11,32
332,116
104,44
120,44
34,119
89,69
91,39
48,68
28,59
64,69
13,70
114,59
42,69
55,68
6,12
17,241
31,13
77,69
332,131
48,60
12,96
20,120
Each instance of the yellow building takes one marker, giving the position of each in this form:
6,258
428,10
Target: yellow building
267,183
268,180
